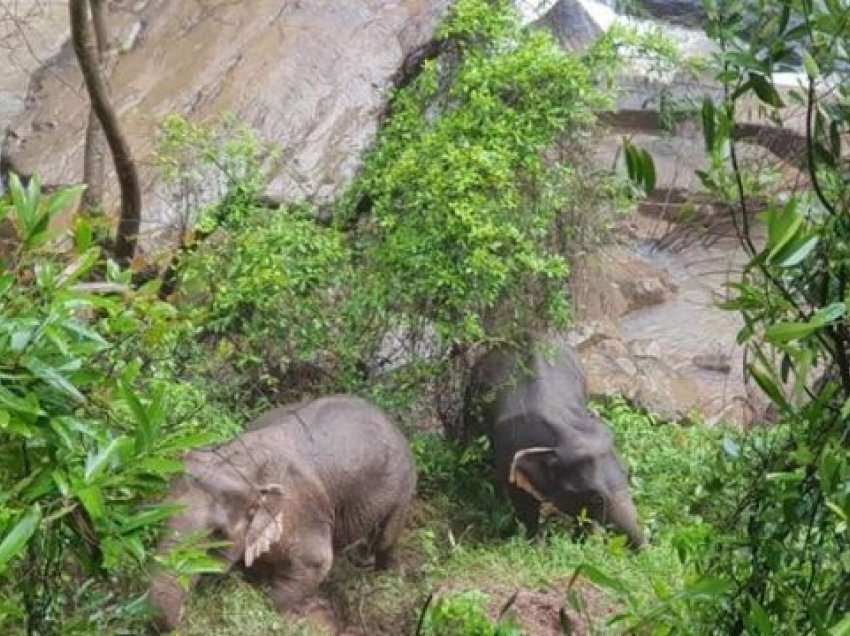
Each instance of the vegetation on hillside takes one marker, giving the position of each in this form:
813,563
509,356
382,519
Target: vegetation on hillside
457,234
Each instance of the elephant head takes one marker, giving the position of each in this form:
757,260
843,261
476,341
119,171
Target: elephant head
251,518
580,473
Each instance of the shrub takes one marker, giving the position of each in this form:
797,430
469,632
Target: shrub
783,549
81,448
462,203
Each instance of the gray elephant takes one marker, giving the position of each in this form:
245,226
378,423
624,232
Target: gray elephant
303,483
548,447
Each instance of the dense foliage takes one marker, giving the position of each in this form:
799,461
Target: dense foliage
457,233
454,235
105,384
785,550
81,452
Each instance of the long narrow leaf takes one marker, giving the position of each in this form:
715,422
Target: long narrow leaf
95,464
18,537
53,378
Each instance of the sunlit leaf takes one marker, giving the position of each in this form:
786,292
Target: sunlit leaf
96,463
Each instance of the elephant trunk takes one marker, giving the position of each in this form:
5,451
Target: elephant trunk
166,596
622,515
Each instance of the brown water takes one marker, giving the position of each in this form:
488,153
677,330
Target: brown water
691,328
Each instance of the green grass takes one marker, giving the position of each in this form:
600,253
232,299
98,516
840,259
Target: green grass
462,539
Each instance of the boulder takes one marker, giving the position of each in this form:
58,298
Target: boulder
313,77
610,283
634,371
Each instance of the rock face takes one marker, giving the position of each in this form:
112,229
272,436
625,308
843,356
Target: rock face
686,12
30,31
648,327
311,76
571,24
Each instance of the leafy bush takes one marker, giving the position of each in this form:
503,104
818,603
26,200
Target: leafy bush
81,451
462,203
783,547
452,236
271,295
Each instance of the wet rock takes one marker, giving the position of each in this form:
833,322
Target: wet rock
685,12
646,348
591,333
649,328
716,361
30,32
610,283
313,77
571,24
646,381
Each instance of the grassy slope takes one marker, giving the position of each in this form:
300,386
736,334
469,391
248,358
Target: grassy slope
461,538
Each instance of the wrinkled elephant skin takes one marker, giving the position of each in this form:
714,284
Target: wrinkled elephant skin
303,483
548,447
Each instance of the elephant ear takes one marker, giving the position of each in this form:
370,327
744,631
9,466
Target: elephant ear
526,468
265,526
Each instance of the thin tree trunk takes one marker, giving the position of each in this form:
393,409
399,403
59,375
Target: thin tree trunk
125,168
95,147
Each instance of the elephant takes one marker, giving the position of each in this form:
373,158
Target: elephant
300,485
548,448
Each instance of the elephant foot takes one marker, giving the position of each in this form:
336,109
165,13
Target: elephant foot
320,616
360,556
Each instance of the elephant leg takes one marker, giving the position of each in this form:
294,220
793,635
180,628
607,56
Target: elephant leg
527,510
388,537
309,565
167,597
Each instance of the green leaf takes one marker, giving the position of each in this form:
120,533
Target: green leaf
148,518
83,235
88,334
81,266
20,203
96,463
648,171
161,466
18,537
731,448
601,579
789,232
61,200
799,252
53,378
765,90
842,627
20,405
708,586
708,124
810,65
783,332
144,429
6,282
92,500
830,313
188,441
632,162
760,619
767,385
